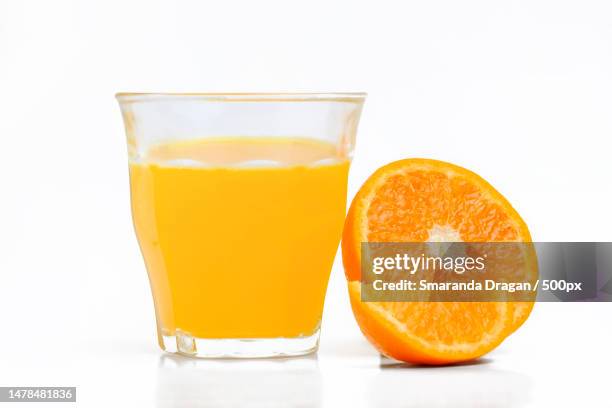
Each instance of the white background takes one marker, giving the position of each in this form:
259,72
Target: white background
518,91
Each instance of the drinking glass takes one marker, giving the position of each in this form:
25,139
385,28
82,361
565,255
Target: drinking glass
238,203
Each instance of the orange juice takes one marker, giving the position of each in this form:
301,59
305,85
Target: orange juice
239,234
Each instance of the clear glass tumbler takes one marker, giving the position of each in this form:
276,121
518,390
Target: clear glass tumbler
238,202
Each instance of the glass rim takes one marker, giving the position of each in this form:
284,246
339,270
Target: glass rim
347,97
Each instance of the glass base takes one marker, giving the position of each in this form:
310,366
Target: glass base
184,344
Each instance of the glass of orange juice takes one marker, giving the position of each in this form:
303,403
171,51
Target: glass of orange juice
238,202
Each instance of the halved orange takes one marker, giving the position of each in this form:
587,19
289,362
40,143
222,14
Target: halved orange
420,200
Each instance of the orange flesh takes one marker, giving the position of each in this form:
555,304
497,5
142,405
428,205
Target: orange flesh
431,332
419,200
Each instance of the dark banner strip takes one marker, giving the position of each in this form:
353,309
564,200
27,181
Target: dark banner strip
486,271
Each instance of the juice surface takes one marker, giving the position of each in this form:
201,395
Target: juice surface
239,234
